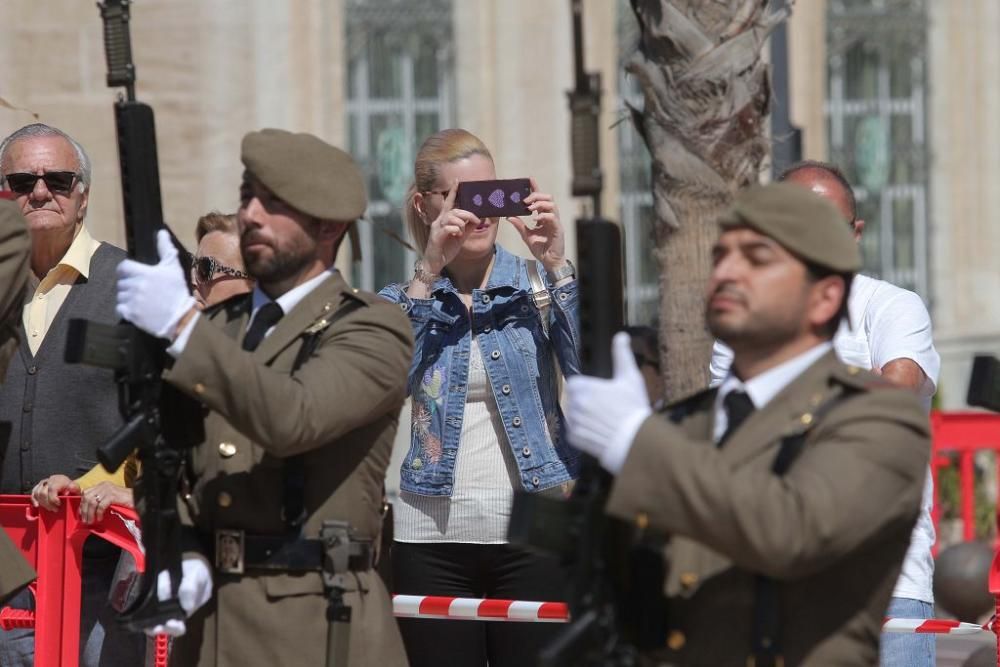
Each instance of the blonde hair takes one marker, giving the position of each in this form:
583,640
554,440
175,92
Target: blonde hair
215,222
438,149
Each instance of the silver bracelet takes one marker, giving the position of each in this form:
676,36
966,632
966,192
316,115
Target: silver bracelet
422,274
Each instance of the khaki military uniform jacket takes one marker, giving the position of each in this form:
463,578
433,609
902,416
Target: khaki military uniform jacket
832,532
15,573
340,410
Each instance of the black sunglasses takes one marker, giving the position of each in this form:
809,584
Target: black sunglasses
58,182
205,268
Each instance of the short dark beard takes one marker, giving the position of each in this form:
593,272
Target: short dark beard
279,268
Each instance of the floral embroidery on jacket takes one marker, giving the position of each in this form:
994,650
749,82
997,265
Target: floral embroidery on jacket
430,404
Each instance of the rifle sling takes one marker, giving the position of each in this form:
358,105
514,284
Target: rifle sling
766,626
293,496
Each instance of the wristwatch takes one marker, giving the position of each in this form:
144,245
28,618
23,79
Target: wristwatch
567,271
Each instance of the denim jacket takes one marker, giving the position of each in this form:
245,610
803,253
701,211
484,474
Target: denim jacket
519,363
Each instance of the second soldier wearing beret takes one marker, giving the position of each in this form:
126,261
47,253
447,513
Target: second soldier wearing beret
303,380
15,573
785,497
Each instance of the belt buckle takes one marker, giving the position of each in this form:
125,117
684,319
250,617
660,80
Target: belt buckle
229,550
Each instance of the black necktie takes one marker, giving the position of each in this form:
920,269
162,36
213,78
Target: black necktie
266,317
738,407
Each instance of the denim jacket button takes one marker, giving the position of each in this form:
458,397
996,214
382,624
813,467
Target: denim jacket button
486,298
563,296
487,329
505,389
405,307
535,481
417,464
526,451
495,354
517,421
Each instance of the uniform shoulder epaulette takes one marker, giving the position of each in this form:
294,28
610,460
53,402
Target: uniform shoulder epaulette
680,409
351,300
355,294
859,379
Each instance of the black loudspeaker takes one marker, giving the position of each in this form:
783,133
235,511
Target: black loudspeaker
984,384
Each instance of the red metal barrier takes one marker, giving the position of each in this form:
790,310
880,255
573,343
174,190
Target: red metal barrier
53,543
964,434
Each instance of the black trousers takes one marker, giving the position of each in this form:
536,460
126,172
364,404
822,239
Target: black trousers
478,571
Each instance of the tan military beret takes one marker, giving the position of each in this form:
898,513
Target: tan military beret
307,173
806,224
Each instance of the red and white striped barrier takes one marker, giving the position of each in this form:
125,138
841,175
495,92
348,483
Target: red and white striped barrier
476,609
936,626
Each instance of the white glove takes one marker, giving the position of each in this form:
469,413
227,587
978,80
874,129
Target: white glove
604,415
195,590
154,297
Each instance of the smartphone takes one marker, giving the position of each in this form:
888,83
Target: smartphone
494,199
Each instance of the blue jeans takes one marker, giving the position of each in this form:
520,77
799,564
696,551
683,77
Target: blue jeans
900,650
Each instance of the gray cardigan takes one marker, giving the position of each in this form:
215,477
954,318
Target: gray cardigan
59,413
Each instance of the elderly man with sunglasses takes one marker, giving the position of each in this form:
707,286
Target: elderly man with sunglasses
60,413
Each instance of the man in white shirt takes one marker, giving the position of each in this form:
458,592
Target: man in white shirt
889,333
787,496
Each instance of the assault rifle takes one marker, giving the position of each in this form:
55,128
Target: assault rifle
160,422
590,545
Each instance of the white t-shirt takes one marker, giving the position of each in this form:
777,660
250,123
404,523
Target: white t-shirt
889,323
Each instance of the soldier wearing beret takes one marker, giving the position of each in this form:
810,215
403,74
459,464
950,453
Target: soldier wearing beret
303,380
15,573
787,494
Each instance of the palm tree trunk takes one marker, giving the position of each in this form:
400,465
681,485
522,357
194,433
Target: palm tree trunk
706,95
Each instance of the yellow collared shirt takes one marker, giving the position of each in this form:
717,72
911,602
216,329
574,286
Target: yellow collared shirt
39,313
54,287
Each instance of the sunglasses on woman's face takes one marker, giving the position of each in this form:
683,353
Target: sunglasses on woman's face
205,269
58,182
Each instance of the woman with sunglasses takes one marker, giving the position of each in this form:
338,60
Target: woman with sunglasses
217,270
486,420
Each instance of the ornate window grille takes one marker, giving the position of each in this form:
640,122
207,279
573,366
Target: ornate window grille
876,118
400,89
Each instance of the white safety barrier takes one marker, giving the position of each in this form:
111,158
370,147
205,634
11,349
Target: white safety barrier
477,609
936,626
